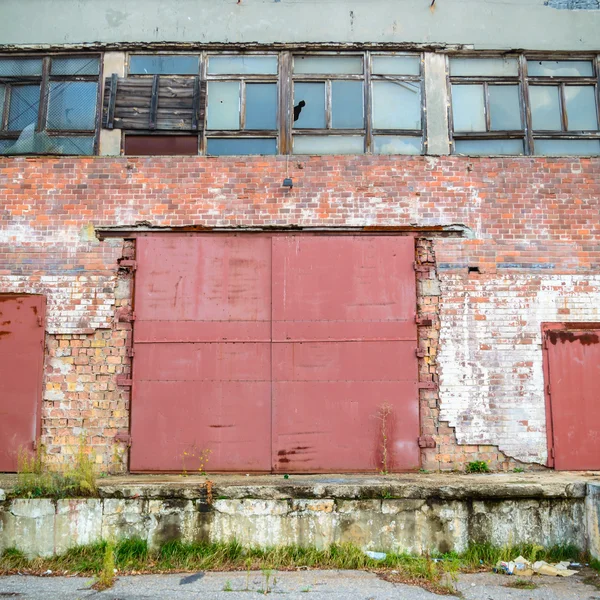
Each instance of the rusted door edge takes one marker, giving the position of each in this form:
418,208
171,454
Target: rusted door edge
546,329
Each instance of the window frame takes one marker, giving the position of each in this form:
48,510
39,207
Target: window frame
285,79
524,81
44,81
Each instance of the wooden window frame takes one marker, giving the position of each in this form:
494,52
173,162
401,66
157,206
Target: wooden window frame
524,81
44,80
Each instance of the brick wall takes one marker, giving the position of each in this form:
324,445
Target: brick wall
529,224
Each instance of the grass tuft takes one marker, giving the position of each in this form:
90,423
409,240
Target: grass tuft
106,577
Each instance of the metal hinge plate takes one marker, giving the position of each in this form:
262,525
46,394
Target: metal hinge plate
426,441
128,264
427,385
124,381
423,321
123,437
422,268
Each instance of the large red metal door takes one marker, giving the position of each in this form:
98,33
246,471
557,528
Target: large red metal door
344,354
275,352
202,339
573,371
22,320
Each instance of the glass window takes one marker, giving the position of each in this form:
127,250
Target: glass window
468,107
396,105
505,110
396,65
489,147
562,147
347,105
24,106
545,107
390,144
560,68
328,65
20,67
241,146
2,95
582,113
75,66
261,106
72,105
242,65
165,64
328,144
484,67
223,105
309,106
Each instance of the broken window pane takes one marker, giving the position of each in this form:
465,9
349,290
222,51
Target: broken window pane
335,65
396,65
39,142
505,110
581,107
261,106
347,105
242,65
309,105
75,66
24,106
388,144
489,147
72,145
487,67
72,105
567,147
560,68
468,108
240,146
396,105
545,107
20,67
165,64
223,105
328,144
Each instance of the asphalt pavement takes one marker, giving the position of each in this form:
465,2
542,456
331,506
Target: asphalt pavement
289,585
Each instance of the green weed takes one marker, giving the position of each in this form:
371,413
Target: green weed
521,584
106,577
477,466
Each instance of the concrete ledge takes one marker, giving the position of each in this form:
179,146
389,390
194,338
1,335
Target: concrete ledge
413,514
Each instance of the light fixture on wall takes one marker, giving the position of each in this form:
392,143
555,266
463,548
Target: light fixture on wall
288,183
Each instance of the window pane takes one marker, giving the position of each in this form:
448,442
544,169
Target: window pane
261,106
31,142
242,65
567,147
17,67
344,65
396,65
468,108
2,95
545,107
560,68
328,144
75,66
347,105
223,105
488,147
396,105
167,64
309,106
581,107
493,67
72,105
24,105
387,144
241,146
505,112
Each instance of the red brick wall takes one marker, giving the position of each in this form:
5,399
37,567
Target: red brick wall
530,224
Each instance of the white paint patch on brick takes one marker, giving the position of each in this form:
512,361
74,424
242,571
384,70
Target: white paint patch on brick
490,360
75,303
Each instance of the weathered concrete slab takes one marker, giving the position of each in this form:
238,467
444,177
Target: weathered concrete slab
592,503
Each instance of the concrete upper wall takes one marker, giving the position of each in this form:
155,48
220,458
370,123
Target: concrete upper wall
482,24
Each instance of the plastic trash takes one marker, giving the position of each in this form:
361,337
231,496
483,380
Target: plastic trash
376,555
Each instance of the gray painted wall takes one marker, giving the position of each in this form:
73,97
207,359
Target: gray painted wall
493,24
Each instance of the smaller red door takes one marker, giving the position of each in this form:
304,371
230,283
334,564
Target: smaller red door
22,321
573,376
